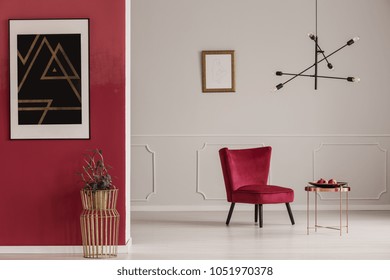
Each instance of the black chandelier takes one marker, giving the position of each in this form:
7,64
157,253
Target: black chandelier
318,51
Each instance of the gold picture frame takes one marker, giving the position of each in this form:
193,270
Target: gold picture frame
218,74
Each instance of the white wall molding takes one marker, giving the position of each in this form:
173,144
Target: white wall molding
249,207
266,135
294,161
376,193
153,188
199,189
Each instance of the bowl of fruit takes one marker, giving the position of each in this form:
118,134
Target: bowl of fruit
331,183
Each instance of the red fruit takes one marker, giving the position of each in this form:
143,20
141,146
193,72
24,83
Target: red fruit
322,181
332,182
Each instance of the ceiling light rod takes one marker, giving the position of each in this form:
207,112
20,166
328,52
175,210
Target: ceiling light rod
349,79
318,51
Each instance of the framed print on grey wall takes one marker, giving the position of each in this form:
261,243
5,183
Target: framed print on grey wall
218,71
49,79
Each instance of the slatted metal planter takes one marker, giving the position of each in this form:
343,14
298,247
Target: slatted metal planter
99,223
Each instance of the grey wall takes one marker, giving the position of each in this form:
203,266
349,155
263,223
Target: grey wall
340,130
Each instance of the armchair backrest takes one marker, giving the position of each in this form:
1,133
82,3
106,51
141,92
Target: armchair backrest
244,167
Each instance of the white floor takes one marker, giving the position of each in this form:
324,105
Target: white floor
204,235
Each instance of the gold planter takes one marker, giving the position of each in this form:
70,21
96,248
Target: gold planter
99,223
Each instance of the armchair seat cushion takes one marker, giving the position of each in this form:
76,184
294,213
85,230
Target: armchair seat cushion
263,194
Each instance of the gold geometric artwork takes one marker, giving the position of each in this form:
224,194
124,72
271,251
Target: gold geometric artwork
58,67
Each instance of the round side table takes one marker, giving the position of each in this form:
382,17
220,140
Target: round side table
337,189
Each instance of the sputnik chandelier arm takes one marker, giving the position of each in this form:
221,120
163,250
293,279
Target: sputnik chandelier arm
318,51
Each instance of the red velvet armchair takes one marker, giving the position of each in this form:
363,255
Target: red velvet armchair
245,174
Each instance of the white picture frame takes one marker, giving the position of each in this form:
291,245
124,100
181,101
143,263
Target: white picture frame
49,78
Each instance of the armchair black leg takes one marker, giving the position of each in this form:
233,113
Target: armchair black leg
256,213
260,215
230,213
290,213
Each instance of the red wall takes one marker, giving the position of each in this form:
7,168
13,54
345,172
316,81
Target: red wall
39,189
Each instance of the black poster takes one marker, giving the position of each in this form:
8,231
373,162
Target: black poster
49,79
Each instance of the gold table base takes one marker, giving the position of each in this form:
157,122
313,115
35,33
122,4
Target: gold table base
316,190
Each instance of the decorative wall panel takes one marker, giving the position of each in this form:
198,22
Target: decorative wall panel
142,173
362,165
210,182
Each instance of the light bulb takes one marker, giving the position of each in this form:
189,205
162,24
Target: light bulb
353,40
356,79
353,79
311,36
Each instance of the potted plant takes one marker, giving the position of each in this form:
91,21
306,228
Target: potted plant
99,219
98,191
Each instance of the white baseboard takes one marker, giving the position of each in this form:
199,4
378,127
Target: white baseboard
122,249
41,250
